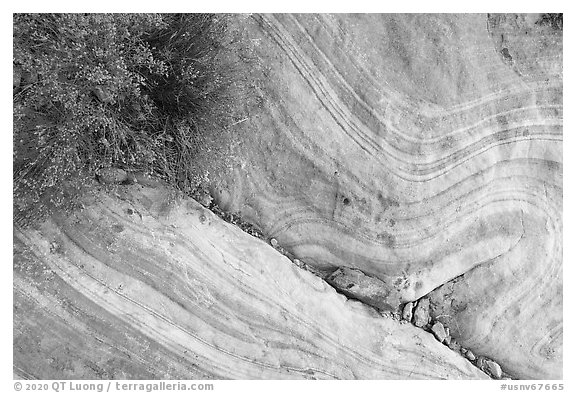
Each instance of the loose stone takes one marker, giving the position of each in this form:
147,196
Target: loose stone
481,363
422,313
439,332
407,311
493,369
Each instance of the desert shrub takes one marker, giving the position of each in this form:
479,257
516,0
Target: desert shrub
93,91
555,21
200,88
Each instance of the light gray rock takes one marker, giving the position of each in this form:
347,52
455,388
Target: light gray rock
112,175
422,313
493,369
274,242
370,290
439,331
407,311
470,355
489,366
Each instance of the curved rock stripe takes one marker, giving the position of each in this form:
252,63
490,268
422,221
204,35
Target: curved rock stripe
145,285
407,147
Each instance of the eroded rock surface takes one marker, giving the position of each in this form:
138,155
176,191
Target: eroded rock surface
145,285
422,150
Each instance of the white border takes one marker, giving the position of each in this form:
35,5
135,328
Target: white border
296,6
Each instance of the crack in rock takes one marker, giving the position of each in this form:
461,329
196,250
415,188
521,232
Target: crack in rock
421,318
375,293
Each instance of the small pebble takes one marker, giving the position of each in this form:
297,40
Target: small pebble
298,262
481,363
274,242
453,345
439,332
470,355
407,311
422,313
494,369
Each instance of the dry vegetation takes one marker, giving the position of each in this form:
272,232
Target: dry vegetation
133,91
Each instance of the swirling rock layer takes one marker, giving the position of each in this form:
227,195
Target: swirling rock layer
144,285
422,150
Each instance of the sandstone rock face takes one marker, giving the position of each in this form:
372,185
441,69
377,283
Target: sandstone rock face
422,150
145,285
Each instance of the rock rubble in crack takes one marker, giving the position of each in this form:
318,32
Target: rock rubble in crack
372,291
356,284
174,292
418,313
